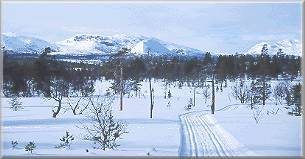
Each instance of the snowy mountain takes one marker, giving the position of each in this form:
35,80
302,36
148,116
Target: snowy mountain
150,46
85,44
290,47
96,44
24,44
139,45
156,47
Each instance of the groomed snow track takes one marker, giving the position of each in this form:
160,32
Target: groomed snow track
202,136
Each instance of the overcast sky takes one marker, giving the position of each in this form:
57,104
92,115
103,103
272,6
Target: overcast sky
226,28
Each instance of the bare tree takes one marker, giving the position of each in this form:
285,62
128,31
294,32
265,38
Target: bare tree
151,92
241,91
77,107
59,89
206,94
103,128
151,89
280,92
257,113
213,95
82,95
119,56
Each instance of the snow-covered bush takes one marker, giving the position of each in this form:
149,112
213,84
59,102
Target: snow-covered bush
30,147
15,103
66,141
103,128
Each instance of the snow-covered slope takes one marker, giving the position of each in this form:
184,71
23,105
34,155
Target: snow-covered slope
24,44
150,46
159,47
139,45
96,44
290,47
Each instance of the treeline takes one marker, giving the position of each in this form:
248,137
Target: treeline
30,76
223,66
33,76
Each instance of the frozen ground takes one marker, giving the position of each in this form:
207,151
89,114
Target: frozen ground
173,130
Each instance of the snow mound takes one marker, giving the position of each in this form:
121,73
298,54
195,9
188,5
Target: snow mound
289,47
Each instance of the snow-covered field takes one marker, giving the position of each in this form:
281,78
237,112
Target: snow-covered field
173,130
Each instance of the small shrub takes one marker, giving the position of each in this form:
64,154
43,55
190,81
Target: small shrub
169,94
66,141
15,103
168,105
103,129
190,105
30,147
14,144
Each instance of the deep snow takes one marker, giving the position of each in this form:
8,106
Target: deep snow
278,134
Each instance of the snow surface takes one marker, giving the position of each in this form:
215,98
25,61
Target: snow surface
204,137
173,130
232,127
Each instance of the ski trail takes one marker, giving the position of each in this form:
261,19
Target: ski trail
202,136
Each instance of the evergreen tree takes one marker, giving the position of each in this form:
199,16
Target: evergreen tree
264,50
207,58
66,141
30,147
297,108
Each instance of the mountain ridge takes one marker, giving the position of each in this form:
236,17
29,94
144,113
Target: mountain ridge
289,47
90,44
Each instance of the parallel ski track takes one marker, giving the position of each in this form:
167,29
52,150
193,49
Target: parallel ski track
203,137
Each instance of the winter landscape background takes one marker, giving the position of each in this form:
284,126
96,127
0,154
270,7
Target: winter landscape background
194,79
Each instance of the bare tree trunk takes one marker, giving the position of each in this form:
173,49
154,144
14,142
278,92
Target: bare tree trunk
194,96
213,96
121,87
264,91
151,99
58,109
